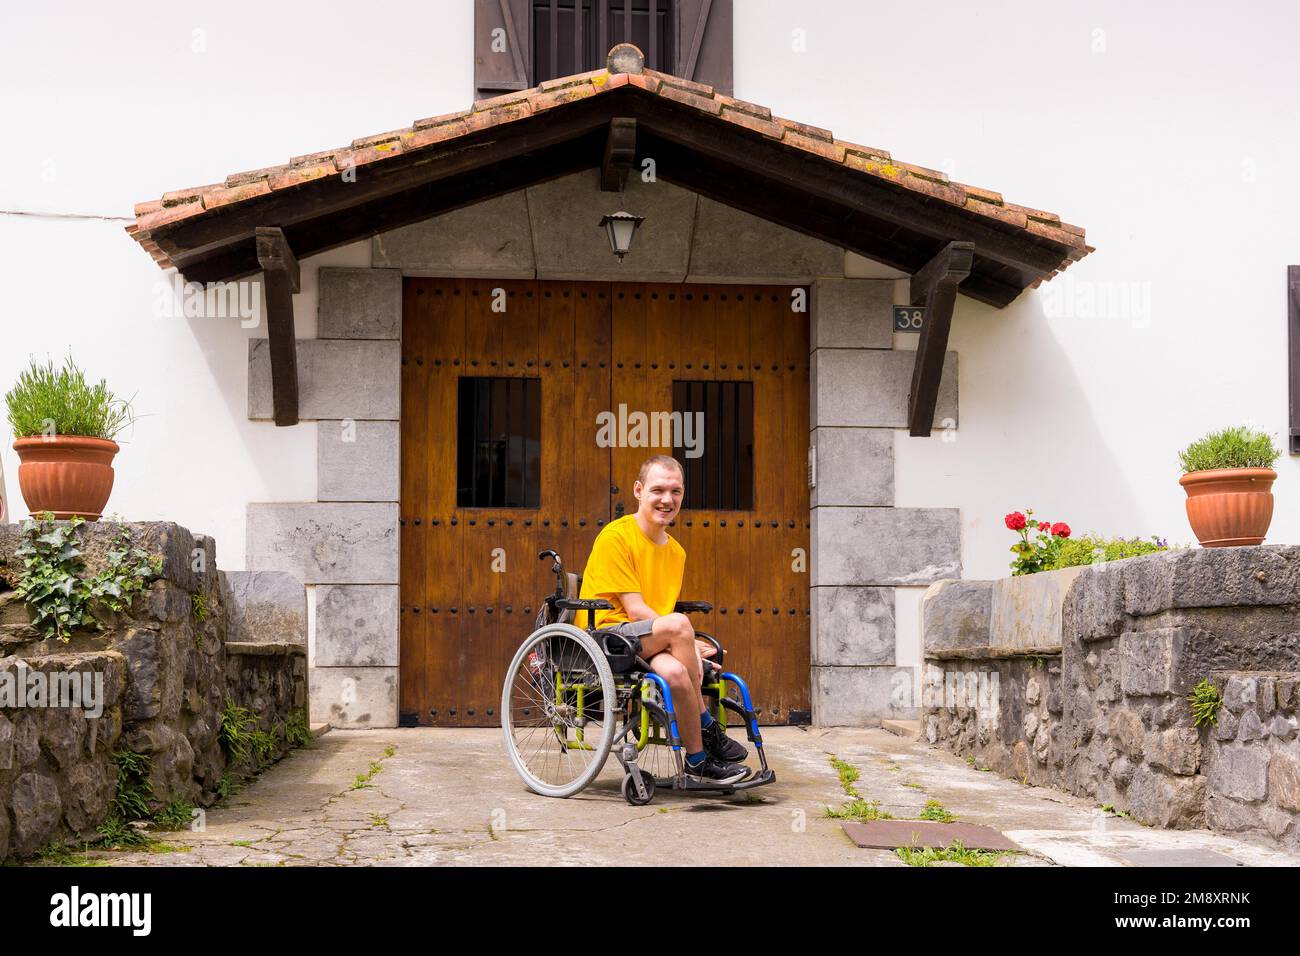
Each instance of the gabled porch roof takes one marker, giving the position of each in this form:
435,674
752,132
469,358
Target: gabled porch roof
738,153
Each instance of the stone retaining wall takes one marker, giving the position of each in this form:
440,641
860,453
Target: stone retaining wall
1079,680
166,673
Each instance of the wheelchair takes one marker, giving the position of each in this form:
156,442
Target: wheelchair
572,697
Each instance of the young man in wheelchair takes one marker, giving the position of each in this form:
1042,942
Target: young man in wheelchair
637,566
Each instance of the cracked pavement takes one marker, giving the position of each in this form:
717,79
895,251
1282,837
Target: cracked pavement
450,797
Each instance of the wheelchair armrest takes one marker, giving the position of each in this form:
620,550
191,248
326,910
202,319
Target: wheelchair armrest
693,607
710,639
576,604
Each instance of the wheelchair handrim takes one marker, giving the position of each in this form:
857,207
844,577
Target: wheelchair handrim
535,713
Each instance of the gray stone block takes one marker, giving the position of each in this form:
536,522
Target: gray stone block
266,607
357,625
1027,609
870,387
1151,662
354,697
862,696
730,245
1094,605
853,625
337,378
852,314
884,546
854,466
1284,780
1177,750
359,304
1212,577
489,239
569,242
955,615
325,542
358,461
1239,771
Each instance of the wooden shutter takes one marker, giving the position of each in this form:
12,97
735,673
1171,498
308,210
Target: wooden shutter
503,46
704,43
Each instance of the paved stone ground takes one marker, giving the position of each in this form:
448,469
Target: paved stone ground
451,797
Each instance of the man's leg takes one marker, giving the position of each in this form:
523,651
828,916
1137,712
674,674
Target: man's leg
671,653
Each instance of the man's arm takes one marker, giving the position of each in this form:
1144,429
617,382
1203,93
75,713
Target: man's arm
636,607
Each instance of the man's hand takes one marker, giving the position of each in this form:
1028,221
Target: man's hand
705,648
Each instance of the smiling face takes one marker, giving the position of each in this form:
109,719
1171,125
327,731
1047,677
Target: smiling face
659,496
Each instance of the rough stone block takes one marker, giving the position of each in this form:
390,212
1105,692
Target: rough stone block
1162,801
568,242
1093,608
852,314
1212,577
358,461
955,615
1284,780
1239,772
325,542
852,625
348,697
869,388
729,244
337,378
359,303
266,607
1026,610
489,239
853,466
861,696
884,546
1177,750
1150,662
357,625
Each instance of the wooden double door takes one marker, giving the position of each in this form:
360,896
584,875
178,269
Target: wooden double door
520,432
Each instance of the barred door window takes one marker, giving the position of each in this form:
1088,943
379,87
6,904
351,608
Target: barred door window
720,475
498,463
573,36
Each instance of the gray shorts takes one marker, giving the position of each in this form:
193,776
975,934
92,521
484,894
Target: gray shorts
632,630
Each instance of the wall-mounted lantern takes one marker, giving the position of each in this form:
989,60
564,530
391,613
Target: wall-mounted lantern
621,227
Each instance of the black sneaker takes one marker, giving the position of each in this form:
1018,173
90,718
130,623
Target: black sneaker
722,747
712,770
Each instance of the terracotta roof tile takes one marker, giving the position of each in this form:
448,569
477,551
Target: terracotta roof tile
215,198
750,121
828,149
753,109
677,94
676,82
445,119
297,175
803,129
250,176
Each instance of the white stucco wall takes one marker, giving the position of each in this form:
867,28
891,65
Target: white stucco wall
1174,147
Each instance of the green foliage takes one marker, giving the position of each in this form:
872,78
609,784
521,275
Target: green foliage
177,815
51,582
48,400
236,733
1093,549
199,606
1038,546
1206,701
131,802
934,810
1237,447
848,775
955,852
860,810
297,733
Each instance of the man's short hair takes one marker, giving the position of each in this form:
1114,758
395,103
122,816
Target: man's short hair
663,461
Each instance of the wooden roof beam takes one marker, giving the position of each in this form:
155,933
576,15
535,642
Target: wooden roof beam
935,287
281,278
620,154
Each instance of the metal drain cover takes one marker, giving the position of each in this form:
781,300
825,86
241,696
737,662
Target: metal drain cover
890,834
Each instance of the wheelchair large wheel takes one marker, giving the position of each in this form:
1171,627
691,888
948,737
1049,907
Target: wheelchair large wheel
557,710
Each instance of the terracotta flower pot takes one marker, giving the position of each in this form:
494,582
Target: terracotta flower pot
1229,507
66,474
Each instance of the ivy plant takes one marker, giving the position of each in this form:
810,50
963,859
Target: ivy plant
52,584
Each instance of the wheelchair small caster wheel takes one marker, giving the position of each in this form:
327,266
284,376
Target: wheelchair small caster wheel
629,789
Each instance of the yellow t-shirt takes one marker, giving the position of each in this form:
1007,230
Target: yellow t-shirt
623,559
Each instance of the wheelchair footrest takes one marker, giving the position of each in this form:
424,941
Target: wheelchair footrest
762,778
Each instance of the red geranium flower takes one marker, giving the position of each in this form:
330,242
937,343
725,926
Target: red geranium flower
1015,521
1045,527
1061,529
